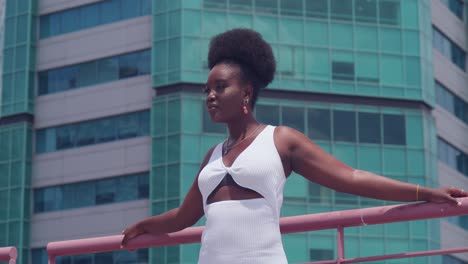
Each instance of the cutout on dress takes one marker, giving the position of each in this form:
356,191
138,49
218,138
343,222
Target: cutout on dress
229,181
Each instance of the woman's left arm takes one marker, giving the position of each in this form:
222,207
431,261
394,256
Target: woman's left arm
310,161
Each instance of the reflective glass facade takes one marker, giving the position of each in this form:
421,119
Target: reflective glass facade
91,193
449,49
370,48
92,15
456,7
453,157
452,103
92,132
94,72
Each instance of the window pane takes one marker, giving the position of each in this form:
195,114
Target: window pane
105,191
316,8
143,186
128,65
266,6
344,126
341,9
130,8
389,12
66,137
394,129
343,71
127,126
366,10
127,188
144,62
105,130
70,20
110,11
369,128
86,134
87,74
319,124
243,5
108,69
293,117
267,114
89,16
291,7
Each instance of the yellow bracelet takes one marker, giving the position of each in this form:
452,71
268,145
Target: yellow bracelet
417,193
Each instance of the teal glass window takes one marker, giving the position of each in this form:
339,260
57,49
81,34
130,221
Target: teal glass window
317,254
461,221
95,72
456,6
291,7
341,9
293,117
389,11
365,11
92,15
449,49
369,128
344,126
241,5
343,71
267,114
266,6
91,193
217,4
140,256
316,8
447,259
452,156
385,12
452,103
319,124
92,132
394,129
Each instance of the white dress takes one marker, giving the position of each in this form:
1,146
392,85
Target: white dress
244,231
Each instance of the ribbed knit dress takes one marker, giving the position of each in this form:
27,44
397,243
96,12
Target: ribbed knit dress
244,231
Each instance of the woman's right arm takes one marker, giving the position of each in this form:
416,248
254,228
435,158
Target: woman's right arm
174,220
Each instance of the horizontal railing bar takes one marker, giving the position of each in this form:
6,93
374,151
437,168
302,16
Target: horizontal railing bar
8,254
293,224
395,256
371,216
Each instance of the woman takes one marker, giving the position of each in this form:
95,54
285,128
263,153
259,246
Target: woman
240,183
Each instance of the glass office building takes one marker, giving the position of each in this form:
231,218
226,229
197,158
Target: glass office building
103,121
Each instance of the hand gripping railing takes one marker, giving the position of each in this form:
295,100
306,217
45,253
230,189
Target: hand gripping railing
293,224
8,254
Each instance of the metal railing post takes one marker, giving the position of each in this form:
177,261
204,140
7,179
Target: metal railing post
8,254
340,244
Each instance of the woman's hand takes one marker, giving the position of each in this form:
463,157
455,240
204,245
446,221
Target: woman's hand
130,233
447,195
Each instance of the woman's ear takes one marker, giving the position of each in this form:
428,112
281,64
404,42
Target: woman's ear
248,91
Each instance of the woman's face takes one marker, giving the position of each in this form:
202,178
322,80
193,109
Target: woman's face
225,93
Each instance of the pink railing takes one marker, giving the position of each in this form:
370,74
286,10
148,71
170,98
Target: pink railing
8,254
332,220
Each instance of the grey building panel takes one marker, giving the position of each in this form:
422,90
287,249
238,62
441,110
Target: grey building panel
92,162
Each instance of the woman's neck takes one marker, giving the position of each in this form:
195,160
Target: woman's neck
240,128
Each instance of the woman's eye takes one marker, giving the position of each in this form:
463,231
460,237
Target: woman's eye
220,87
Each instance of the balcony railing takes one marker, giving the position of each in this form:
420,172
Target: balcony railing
333,220
8,254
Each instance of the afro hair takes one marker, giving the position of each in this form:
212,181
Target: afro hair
249,50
